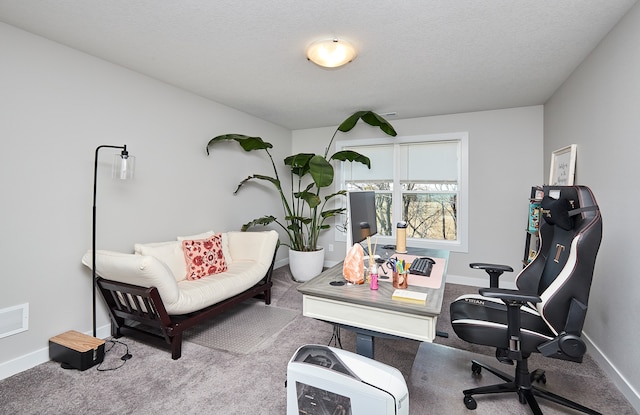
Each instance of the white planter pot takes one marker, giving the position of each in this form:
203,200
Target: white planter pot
305,265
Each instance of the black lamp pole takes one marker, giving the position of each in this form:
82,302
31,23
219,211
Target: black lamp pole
124,154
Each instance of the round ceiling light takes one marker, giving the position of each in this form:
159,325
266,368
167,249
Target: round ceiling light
331,53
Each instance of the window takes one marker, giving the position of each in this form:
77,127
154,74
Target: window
419,179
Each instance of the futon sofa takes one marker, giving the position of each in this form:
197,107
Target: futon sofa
167,287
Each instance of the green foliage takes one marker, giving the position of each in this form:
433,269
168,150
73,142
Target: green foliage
305,210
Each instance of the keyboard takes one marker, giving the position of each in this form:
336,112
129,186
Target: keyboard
421,266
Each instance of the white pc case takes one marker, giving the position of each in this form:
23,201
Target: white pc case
323,380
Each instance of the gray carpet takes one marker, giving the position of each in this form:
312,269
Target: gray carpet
214,381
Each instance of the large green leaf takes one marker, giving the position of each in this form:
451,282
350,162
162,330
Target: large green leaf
321,171
311,198
338,193
299,163
272,180
263,221
350,155
333,212
370,118
248,143
297,219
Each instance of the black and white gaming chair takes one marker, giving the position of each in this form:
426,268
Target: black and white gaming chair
546,313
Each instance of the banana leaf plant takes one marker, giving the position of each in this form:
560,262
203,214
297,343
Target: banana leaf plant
306,210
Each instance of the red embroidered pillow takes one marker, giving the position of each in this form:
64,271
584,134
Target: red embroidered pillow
204,257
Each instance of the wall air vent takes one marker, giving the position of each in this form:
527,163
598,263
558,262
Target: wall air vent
14,320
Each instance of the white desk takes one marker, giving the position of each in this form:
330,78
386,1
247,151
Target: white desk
372,313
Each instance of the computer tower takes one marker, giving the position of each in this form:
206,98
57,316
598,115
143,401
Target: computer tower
323,380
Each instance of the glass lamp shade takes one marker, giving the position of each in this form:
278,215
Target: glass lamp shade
331,53
123,166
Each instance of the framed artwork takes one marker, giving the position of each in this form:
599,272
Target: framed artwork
563,166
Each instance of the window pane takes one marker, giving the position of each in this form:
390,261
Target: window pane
381,158
369,186
429,161
430,215
429,187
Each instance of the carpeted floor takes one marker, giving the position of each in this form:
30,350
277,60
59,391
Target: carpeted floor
243,329
208,380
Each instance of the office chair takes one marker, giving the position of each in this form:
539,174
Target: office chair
546,313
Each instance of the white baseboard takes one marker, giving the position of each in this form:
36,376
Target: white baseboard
281,263
612,372
285,261
38,357
24,362
329,264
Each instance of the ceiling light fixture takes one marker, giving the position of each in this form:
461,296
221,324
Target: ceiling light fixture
331,53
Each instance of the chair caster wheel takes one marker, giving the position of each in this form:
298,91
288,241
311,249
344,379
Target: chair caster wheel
469,402
522,398
539,376
476,369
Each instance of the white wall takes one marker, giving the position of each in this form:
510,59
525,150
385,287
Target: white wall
505,160
57,105
598,108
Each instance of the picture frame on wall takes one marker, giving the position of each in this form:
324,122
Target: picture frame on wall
563,166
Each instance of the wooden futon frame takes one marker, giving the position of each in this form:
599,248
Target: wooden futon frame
141,309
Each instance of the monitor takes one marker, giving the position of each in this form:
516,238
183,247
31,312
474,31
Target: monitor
362,216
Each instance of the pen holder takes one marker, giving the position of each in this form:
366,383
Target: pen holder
400,279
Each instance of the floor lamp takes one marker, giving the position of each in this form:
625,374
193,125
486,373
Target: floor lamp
123,168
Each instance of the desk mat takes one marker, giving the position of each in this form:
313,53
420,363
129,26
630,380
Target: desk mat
432,281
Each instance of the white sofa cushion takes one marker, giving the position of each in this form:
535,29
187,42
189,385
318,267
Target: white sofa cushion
252,245
170,253
142,270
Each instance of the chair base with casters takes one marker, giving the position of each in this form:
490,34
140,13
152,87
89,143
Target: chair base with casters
520,384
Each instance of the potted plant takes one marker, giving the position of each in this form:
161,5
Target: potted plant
306,210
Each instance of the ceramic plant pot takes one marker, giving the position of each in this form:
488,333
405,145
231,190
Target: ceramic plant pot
305,265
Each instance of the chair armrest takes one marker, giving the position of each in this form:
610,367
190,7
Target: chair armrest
494,271
514,299
510,296
491,267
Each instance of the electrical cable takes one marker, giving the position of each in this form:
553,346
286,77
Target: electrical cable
124,357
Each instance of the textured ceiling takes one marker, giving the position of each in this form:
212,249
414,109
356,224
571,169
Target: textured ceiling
416,57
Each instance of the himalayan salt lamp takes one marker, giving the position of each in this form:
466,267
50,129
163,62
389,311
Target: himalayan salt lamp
353,268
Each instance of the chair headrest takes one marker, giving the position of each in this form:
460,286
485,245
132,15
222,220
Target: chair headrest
556,212
559,212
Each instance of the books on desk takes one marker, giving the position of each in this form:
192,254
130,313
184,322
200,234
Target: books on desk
416,297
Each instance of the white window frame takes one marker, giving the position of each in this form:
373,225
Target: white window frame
462,242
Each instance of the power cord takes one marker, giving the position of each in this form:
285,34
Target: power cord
123,358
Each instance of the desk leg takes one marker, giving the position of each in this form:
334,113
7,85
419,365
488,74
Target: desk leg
364,345
335,338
